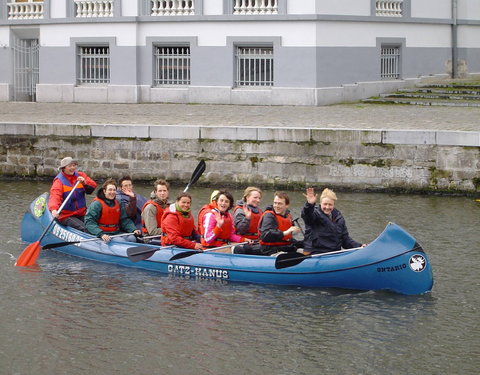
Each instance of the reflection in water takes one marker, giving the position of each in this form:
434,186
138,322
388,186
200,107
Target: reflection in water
71,316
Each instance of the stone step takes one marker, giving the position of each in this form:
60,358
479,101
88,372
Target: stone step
426,102
424,95
459,86
432,90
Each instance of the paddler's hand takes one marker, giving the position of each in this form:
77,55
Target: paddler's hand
55,214
105,237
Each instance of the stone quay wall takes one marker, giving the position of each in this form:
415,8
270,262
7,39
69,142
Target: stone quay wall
350,159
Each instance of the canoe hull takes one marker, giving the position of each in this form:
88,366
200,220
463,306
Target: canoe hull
394,261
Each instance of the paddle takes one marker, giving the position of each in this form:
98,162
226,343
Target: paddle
292,259
138,253
188,253
60,244
196,174
29,256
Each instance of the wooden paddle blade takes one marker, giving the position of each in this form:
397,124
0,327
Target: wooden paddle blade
289,260
184,254
29,256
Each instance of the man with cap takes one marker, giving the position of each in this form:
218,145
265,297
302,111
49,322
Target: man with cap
74,211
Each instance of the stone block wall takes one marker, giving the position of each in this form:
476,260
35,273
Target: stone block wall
276,157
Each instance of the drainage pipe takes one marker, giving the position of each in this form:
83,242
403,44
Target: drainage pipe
454,40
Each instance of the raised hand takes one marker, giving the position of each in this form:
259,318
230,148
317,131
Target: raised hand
310,195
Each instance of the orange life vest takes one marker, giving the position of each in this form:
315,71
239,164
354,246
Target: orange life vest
183,224
201,214
254,221
223,237
284,222
110,217
160,211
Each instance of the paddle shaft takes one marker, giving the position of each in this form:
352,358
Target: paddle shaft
60,244
59,210
188,253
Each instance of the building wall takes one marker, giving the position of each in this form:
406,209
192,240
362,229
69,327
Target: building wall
318,45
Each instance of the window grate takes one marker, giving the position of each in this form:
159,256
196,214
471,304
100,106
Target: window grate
254,66
390,63
94,65
172,66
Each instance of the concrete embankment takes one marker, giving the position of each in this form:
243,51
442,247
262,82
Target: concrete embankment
360,159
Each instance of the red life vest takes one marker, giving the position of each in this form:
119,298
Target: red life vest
223,237
283,224
254,221
201,214
110,218
160,211
183,225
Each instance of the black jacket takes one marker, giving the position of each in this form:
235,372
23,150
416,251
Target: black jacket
323,234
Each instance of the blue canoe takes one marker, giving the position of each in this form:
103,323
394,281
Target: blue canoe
394,261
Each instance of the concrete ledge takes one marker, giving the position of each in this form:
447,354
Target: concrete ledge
17,129
231,134
84,94
409,137
174,132
122,94
4,92
458,138
245,96
293,96
330,95
63,130
347,135
210,94
55,93
168,95
120,131
284,134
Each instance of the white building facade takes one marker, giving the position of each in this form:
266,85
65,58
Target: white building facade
255,52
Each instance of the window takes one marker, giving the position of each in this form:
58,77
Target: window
390,63
172,66
254,66
389,8
94,65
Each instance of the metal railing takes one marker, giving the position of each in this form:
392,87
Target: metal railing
254,66
94,65
389,8
29,9
172,7
172,66
390,63
94,8
255,7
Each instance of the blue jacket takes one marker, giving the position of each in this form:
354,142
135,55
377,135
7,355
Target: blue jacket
134,211
323,234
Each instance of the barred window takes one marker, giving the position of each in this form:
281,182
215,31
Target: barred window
94,65
254,66
172,66
390,63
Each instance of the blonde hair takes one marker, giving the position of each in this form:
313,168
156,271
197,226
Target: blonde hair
327,193
249,190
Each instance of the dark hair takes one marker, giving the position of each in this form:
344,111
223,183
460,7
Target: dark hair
160,182
228,195
109,181
124,178
182,195
282,195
